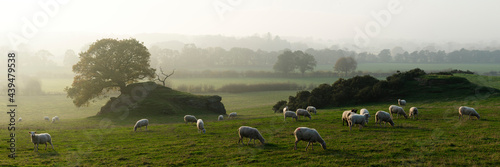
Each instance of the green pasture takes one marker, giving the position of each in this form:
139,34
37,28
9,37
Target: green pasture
437,138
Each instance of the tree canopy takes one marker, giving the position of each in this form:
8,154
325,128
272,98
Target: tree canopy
288,61
108,64
345,64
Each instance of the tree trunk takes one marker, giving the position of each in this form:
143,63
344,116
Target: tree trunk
122,86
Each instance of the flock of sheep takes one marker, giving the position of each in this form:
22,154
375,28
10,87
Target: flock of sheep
309,135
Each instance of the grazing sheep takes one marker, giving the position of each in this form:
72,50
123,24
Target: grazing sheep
311,109
413,112
141,123
463,110
200,126
43,138
251,133
346,114
57,118
190,118
20,119
46,118
285,109
290,114
220,118
53,119
401,102
356,119
397,110
302,112
309,135
232,115
365,112
383,116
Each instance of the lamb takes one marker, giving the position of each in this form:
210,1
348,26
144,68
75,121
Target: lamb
20,119
200,126
356,119
365,112
397,110
346,114
401,102
220,118
251,133
232,115
383,116
464,110
46,118
190,118
285,109
141,123
43,138
309,135
413,112
53,119
290,114
311,109
302,112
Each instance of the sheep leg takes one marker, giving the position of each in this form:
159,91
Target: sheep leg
146,127
45,145
295,148
249,141
52,145
240,140
35,148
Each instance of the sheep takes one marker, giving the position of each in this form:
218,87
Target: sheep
309,135
53,119
232,115
285,109
200,126
401,102
20,119
251,133
464,110
220,118
311,109
356,119
290,114
141,123
190,118
46,118
383,116
346,114
57,118
397,110
302,112
43,138
413,112
365,112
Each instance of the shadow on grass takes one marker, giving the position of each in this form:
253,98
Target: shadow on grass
48,154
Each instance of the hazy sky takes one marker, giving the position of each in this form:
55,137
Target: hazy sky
427,20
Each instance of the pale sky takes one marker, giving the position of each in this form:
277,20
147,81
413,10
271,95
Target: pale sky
427,20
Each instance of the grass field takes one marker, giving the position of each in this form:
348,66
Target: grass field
438,138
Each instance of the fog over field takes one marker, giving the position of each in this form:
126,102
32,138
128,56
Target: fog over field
357,25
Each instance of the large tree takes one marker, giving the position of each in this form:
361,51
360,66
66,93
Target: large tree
108,64
345,64
285,62
304,61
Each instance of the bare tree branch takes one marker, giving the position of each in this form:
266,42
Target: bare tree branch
165,76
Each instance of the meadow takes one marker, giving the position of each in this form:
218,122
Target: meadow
437,138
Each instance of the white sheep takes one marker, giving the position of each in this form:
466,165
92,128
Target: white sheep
141,123
20,119
251,133
285,109
290,114
309,135
356,119
383,116
401,102
220,118
464,110
46,118
311,109
57,118
365,112
413,112
346,114
397,110
200,125
43,138
190,118
232,115
53,119
302,112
